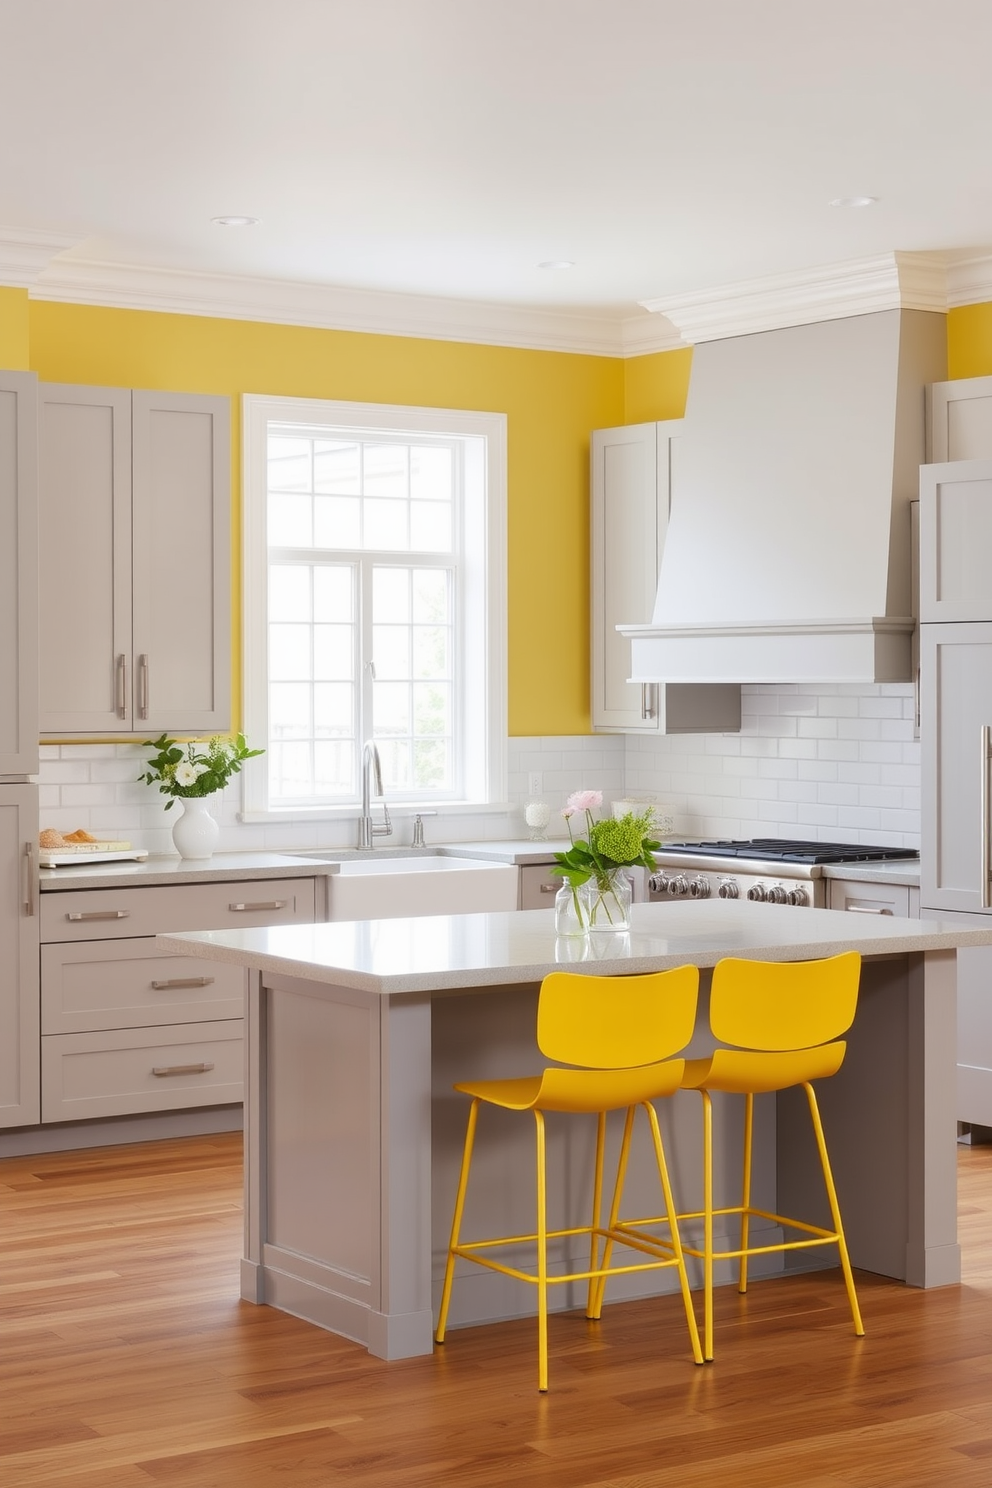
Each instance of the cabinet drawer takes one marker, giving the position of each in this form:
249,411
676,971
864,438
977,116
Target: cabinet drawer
102,914
867,898
133,984
538,886
84,1075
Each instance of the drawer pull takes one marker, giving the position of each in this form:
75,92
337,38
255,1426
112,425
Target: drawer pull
550,888
867,909
181,1069
264,904
183,982
101,914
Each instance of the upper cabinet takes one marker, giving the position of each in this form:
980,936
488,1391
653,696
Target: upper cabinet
135,500
955,541
959,420
18,573
632,474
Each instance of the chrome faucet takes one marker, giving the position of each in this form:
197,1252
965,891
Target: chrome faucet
368,830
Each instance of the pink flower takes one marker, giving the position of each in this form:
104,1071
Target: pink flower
583,801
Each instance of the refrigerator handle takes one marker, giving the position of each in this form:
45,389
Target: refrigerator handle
986,848
30,878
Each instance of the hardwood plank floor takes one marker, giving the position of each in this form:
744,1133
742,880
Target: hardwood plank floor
127,1360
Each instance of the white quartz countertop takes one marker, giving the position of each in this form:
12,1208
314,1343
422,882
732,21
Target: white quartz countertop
165,868
519,850
903,871
456,952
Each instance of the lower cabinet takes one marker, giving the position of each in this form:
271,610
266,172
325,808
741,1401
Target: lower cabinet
538,886
901,900
127,1028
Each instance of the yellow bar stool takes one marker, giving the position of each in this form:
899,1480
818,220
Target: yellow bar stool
785,1018
619,1034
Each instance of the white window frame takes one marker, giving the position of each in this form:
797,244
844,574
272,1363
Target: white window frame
480,620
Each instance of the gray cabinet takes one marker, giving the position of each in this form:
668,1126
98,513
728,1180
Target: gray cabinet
135,499
857,897
633,470
19,1094
955,541
959,419
18,573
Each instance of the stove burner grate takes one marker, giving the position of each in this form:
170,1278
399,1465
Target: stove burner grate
783,850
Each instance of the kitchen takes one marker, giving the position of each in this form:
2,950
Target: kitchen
812,759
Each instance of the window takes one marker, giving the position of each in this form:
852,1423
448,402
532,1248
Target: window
374,604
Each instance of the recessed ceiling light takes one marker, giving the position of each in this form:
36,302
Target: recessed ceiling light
234,221
854,201
557,263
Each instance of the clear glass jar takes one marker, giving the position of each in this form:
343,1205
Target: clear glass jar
609,900
572,909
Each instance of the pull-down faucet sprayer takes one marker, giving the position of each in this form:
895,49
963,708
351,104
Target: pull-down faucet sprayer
368,830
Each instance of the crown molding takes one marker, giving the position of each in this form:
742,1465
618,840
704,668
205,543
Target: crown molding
887,281
644,334
24,254
289,302
969,282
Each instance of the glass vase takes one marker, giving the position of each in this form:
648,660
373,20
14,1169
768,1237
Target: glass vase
608,900
572,910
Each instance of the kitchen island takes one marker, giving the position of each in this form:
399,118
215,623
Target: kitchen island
357,1030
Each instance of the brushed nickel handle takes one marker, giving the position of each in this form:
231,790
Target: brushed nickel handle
183,982
984,817
645,711
867,909
267,904
122,686
142,686
30,878
101,914
550,888
164,1070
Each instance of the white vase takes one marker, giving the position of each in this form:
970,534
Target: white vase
195,833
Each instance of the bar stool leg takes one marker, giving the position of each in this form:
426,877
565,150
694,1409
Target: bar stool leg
673,1225
828,1179
746,1193
597,1207
456,1223
707,1226
542,1255
597,1285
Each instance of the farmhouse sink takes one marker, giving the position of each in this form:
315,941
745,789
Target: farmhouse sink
388,887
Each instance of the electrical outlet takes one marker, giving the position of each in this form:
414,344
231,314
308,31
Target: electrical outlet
535,783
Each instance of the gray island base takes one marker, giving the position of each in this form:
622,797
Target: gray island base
358,1029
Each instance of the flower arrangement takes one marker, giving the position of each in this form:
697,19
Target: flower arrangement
609,844
195,769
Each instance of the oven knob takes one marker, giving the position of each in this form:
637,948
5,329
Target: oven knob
777,894
798,895
658,883
699,887
679,886
729,889
756,892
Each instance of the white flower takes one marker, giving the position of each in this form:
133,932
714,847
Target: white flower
200,768
186,773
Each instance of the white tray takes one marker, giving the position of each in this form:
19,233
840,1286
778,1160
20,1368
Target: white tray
53,857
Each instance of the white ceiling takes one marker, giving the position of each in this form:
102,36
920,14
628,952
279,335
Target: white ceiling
447,147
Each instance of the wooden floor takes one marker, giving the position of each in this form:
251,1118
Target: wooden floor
127,1360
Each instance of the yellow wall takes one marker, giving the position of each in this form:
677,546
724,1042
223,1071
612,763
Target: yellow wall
655,387
969,341
552,401
15,339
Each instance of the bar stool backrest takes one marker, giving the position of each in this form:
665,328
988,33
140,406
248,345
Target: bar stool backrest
616,1022
784,1004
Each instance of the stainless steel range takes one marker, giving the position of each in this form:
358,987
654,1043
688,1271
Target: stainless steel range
770,870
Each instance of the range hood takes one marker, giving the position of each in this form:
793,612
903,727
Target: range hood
788,553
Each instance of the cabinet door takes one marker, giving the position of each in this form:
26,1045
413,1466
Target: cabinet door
85,621
959,419
18,573
955,730
181,564
19,1055
869,898
955,541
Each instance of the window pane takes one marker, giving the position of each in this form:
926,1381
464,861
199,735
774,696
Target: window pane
391,708
431,708
430,473
430,596
289,652
430,651
290,521
430,527
289,464
386,470
337,467
289,771
333,769
289,592
394,755
333,592
431,768
386,525
333,653
390,595
334,710
391,651
289,710
337,522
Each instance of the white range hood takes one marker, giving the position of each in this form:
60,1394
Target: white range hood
788,553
